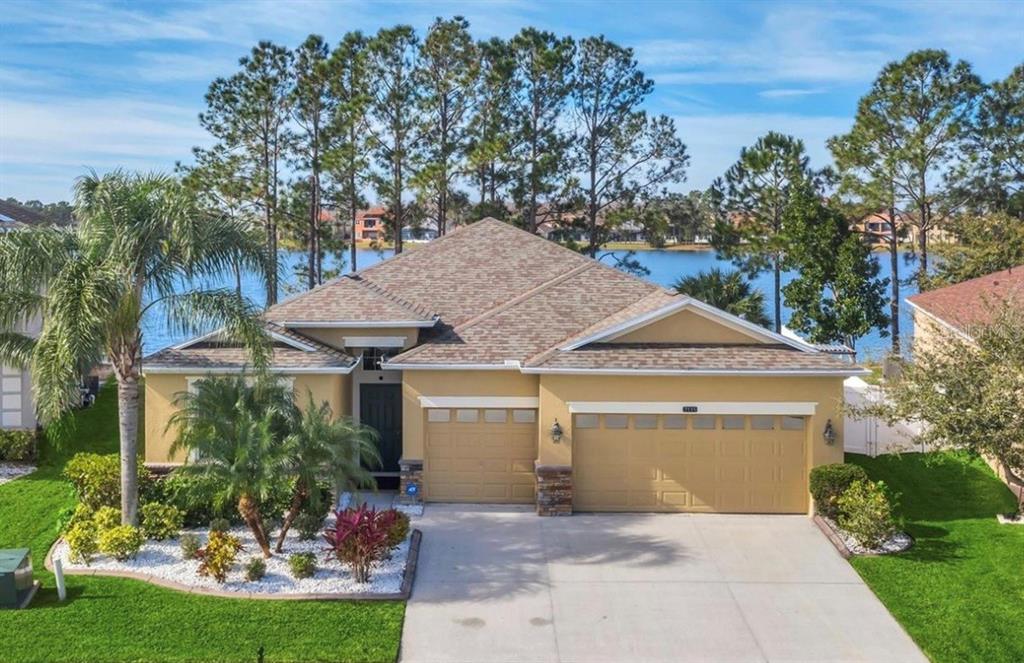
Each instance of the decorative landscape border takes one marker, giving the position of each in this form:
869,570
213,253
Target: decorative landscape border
408,576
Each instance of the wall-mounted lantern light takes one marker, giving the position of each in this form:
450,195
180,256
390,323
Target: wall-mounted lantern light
829,434
556,432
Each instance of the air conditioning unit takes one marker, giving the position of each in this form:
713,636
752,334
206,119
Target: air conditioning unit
16,584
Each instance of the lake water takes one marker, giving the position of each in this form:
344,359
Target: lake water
665,267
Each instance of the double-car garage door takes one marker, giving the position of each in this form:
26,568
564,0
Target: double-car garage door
624,462
480,455
722,463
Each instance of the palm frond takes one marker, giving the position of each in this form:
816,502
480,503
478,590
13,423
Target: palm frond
16,349
199,311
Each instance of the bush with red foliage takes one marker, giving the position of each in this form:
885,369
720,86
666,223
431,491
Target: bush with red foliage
362,537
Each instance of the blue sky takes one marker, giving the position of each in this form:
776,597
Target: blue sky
93,84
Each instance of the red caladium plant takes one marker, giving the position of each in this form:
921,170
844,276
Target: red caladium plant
360,537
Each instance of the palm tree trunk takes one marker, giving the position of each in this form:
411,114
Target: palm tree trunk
128,429
251,515
298,499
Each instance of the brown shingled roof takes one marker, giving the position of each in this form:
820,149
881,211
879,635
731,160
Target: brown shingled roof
693,357
974,302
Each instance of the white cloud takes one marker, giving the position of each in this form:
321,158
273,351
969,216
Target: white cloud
785,93
44,137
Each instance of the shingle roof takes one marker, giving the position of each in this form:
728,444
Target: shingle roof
974,302
350,298
216,355
18,216
499,295
693,357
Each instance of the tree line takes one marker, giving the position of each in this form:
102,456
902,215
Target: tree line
932,148
442,127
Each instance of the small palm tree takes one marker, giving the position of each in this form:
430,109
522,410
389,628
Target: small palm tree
235,435
137,238
731,292
321,446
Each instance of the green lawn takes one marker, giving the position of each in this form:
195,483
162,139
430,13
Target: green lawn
959,591
111,619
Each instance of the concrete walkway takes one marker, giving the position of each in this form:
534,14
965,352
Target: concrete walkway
500,584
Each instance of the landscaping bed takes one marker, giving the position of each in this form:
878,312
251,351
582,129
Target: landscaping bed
163,562
12,471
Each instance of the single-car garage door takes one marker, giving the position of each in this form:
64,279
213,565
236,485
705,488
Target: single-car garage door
480,455
731,463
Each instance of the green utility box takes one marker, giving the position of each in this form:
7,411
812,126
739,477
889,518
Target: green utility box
16,584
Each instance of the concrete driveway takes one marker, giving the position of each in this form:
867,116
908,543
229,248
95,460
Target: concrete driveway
500,584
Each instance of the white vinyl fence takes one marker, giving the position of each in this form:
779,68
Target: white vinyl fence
872,436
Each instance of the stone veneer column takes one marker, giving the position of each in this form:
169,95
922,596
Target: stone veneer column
554,490
410,474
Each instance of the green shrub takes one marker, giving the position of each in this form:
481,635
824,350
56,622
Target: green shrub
865,511
189,544
217,558
303,565
308,526
399,529
255,569
220,525
97,479
161,521
828,482
121,542
82,541
107,517
194,497
71,515
17,444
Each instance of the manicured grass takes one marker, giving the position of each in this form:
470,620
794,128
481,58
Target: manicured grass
959,591
112,619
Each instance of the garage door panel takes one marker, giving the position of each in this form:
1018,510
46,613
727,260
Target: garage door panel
749,469
480,461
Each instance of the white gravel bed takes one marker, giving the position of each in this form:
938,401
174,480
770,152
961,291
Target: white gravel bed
162,559
11,471
897,542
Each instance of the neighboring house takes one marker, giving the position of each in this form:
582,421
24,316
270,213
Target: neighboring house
500,367
962,307
878,227
17,409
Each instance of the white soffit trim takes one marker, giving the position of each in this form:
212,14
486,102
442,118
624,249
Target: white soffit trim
733,322
355,324
521,402
707,407
374,341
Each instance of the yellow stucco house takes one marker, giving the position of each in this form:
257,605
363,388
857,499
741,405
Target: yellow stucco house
501,367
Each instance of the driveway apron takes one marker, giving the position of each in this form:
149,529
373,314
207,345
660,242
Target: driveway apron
498,583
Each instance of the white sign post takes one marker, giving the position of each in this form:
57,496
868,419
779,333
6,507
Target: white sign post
58,572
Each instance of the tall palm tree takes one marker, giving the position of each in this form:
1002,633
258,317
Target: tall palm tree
235,435
138,237
320,446
731,292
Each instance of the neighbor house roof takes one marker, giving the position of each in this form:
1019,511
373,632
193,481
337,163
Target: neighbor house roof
491,296
974,302
14,216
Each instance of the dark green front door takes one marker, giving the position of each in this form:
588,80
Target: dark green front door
380,406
